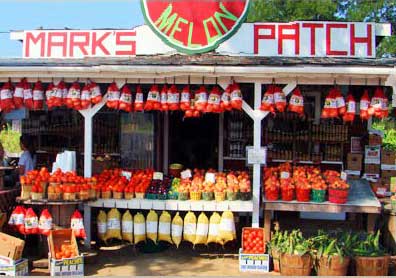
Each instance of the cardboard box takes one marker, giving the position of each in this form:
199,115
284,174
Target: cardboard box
11,247
354,161
253,262
375,139
67,267
15,268
388,173
372,155
64,267
388,157
58,237
372,168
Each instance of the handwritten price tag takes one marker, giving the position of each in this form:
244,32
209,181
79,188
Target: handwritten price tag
158,176
343,176
186,174
285,175
210,177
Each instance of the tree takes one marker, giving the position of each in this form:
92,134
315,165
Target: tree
342,10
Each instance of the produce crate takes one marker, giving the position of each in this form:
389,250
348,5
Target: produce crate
58,237
67,267
247,229
253,262
11,247
15,268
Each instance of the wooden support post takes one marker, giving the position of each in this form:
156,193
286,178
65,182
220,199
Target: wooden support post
267,225
371,219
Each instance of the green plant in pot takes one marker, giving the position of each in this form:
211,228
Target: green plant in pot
331,253
370,256
295,256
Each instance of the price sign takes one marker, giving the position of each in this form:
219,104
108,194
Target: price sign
158,176
285,175
210,177
256,156
343,176
126,174
186,174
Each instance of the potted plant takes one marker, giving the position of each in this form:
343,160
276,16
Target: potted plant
295,256
370,257
331,253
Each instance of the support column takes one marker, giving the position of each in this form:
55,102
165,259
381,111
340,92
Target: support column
221,143
88,146
166,143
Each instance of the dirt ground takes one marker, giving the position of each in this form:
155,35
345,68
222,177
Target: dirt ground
128,261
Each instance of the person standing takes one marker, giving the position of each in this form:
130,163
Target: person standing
27,161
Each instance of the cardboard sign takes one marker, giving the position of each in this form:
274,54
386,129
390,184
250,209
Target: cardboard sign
210,177
344,175
158,176
372,155
285,175
126,174
186,174
253,262
256,156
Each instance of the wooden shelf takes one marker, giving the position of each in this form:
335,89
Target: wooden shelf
174,205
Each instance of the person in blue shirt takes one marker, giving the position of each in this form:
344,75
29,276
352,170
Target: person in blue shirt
27,161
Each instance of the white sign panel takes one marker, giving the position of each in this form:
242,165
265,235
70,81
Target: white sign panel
294,39
256,156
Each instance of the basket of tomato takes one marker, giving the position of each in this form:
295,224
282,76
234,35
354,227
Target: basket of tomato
303,190
338,189
287,189
253,240
271,188
319,188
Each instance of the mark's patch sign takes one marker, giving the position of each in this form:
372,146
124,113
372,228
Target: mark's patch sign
194,26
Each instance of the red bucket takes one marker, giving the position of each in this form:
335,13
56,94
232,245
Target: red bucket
287,194
338,196
272,195
303,194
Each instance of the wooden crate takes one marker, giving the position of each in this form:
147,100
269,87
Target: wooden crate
58,237
245,229
11,247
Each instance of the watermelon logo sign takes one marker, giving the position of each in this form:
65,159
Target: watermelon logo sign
194,26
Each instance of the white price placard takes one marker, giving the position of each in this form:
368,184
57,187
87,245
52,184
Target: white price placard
126,174
158,176
343,176
186,174
256,156
210,177
285,175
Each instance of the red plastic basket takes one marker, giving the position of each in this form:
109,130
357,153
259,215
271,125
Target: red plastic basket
338,196
303,195
287,194
272,195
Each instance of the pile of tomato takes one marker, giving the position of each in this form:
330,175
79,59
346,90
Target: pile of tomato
253,241
65,251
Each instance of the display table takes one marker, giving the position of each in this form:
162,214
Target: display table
61,211
7,199
361,200
170,205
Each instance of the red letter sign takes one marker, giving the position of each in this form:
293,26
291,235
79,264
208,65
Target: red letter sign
366,40
257,36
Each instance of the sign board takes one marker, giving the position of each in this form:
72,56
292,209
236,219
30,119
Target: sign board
372,155
256,156
253,262
15,268
194,26
67,267
295,39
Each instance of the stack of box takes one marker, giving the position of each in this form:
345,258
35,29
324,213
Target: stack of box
11,261
68,266
372,156
388,165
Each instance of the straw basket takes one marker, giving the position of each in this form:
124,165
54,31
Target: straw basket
294,265
336,266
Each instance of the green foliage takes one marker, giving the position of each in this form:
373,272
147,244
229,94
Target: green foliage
10,140
332,10
368,245
389,128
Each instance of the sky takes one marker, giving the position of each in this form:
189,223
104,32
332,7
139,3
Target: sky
58,14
